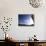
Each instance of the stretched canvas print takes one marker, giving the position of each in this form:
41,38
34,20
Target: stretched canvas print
26,20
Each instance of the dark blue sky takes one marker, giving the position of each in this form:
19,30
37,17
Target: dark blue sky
23,18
